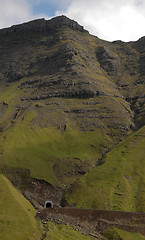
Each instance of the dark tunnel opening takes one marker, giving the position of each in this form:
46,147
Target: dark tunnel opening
48,204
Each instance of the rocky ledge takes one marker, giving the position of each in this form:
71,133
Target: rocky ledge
44,25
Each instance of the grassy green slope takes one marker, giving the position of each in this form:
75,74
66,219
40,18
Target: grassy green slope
119,183
37,149
117,234
56,232
28,145
17,219
16,214
49,152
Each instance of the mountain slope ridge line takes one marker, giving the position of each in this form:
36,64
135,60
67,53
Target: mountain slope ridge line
69,100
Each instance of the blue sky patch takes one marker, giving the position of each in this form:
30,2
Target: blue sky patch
44,8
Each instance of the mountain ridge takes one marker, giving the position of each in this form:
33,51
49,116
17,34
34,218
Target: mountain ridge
44,25
72,110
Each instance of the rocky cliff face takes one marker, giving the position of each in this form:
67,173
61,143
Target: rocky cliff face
41,25
57,58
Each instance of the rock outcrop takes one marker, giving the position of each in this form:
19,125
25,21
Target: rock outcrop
41,25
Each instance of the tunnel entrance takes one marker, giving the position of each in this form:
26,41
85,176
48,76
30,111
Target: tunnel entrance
48,204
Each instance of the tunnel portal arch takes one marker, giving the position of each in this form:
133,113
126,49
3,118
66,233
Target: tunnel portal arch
48,204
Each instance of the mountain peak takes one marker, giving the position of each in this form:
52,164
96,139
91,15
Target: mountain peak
45,25
65,21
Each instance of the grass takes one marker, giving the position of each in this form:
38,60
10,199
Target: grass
17,219
57,232
117,234
118,184
37,149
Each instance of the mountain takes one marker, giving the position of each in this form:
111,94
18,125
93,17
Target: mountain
72,116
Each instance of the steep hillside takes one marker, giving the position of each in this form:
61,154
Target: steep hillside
118,183
72,115
16,214
17,219
54,88
117,234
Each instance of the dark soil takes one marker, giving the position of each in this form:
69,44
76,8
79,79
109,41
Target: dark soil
95,222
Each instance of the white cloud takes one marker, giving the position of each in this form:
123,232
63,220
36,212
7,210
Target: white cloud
109,19
14,11
17,11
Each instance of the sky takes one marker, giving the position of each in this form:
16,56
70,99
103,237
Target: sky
107,19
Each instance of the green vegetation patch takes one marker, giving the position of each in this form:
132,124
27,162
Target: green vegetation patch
119,183
17,219
117,234
37,149
57,232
